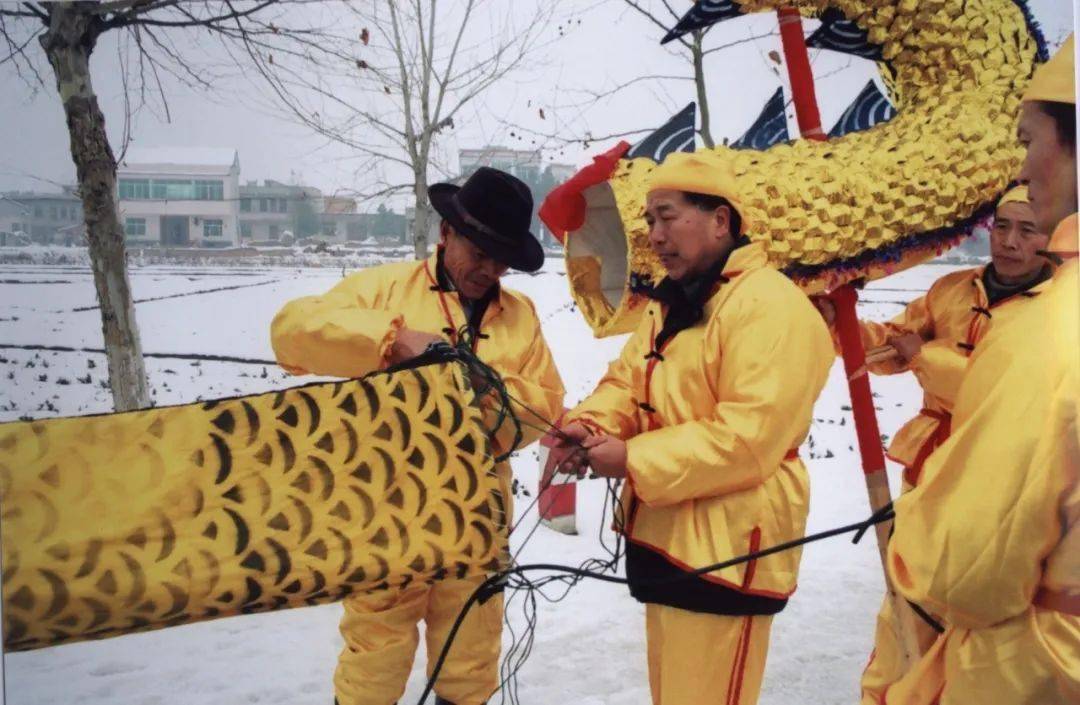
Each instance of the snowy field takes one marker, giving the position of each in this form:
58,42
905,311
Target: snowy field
589,648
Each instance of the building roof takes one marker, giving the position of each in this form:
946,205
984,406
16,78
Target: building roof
24,197
218,158
269,187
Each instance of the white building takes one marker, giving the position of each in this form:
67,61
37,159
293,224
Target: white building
524,164
180,197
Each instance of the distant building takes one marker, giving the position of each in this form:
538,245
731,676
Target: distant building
524,164
561,172
345,227
44,218
339,222
180,197
269,211
338,204
527,165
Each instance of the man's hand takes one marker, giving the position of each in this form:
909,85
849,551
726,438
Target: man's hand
410,343
908,345
826,308
607,455
567,455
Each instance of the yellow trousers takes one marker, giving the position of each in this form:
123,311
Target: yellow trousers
381,639
887,663
699,659
1031,659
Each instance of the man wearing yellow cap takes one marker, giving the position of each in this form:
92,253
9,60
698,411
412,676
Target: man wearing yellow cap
988,541
385,315
933,338
702,414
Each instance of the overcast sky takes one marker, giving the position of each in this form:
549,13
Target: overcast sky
589,46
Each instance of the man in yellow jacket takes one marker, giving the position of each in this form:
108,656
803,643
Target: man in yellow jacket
933,338
387,314
703,413
988,541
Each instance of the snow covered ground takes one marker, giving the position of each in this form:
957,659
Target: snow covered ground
589,648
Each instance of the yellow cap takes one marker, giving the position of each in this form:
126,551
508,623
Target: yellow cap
1017,194
1055,80
698,172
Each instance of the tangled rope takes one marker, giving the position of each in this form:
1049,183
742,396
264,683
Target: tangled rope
517,579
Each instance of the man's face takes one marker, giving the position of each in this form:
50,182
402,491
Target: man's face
1049,169
687,239
1014,240
472,272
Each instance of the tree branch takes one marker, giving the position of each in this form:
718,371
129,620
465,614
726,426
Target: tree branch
652,18
37,12
191,21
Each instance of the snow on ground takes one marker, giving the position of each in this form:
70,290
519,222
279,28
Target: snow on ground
589,648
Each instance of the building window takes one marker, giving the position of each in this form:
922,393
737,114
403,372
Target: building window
262,205
212,228
273,232
209,191
134,189
135,227
245,229
245,205
283,206
172,190
37,211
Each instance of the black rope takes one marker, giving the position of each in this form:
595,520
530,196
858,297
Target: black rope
199,357
884,514
180,295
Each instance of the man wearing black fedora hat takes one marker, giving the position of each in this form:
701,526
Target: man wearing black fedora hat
387,314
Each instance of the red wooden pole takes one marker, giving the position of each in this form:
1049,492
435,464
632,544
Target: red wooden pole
847,327
800,74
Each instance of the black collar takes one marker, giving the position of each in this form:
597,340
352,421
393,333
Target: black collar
684,301
997,290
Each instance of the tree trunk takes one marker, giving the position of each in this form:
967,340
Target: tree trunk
422,222
68,43
699,83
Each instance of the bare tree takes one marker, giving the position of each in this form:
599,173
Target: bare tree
68,33
424,62
569,124
697,52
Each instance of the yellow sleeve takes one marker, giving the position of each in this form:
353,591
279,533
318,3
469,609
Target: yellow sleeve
915,318
342,333
612,406
776,358
940,367
971,540
535,386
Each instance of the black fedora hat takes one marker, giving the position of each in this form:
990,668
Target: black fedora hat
493,210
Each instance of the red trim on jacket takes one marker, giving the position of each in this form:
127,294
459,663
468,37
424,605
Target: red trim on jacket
932,443
446,309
